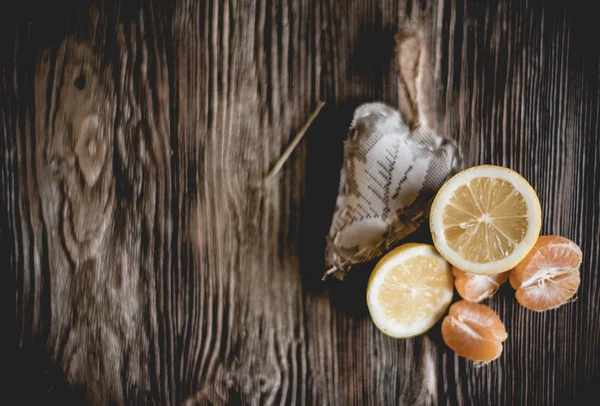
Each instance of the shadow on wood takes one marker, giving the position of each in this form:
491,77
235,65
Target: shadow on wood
372,59
323,162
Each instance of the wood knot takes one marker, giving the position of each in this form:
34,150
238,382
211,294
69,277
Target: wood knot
90,149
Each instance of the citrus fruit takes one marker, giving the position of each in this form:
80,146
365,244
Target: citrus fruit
549,275
475,288
409,290
485,219
473,331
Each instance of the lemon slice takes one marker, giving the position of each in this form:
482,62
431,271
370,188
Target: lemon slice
409,290
485,220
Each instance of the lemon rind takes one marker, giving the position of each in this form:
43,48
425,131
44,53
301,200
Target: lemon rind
388,262
534,218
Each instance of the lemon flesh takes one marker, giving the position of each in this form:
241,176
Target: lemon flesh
409,290
485,219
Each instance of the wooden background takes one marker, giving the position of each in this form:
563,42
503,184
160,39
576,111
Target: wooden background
145,261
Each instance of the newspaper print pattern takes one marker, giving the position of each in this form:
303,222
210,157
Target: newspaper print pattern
389,177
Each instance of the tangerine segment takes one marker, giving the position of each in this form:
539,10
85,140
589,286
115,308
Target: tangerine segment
475,288
473,331
549,275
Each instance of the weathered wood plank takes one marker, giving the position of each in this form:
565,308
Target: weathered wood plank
146,261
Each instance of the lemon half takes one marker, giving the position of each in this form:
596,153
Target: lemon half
409,290
485,219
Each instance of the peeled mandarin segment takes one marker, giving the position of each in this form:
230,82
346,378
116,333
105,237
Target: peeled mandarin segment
549,275
549,251
475,288
514,279
464,341
473,331
409,290
480,316
550,294
485,219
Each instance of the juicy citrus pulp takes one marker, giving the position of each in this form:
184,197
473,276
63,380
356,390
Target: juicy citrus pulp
485,219
473,331
475,288
409,290
549,275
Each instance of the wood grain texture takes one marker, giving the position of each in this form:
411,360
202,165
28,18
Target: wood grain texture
146,261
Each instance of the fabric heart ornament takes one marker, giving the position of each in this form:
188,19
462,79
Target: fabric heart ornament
393,166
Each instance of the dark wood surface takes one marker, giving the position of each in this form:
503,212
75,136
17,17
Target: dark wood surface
145,261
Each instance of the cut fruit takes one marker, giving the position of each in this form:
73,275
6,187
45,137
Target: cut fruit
484,220
409,290
475,288
473,331
549,275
